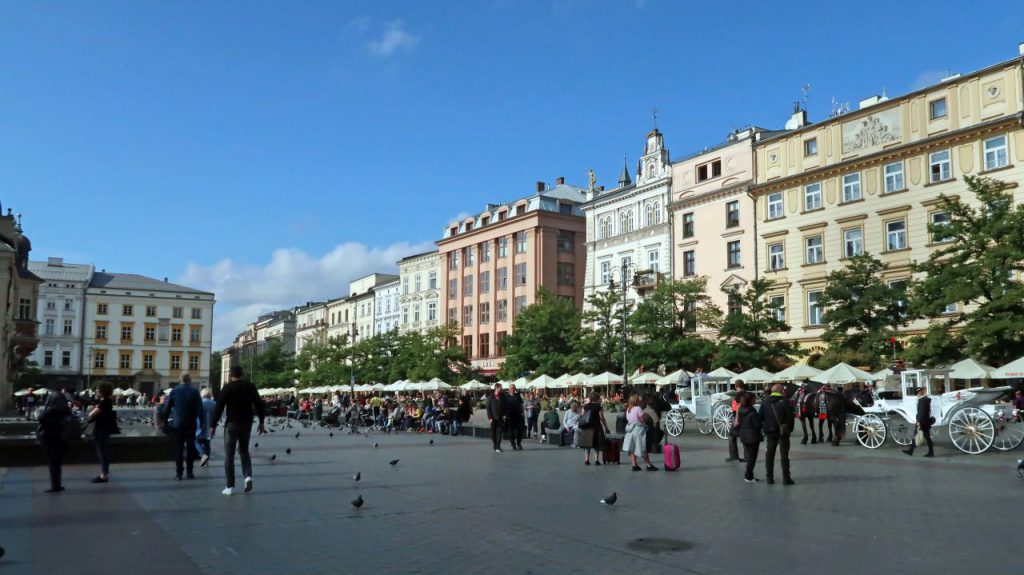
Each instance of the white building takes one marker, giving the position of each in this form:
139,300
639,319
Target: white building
61,313
339,318
420,306
630,224
310,324
276,326
385,303
143,332
361,298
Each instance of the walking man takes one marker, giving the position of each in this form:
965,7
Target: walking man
777,422
924,422
183,413
203,434
241,400
496,416
515,414
734,450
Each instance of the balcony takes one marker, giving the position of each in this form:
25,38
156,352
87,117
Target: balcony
26,336
646,281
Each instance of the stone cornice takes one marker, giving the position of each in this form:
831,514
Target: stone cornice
708,197
601,202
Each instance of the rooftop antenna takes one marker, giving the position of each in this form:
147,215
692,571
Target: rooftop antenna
806,89
654,114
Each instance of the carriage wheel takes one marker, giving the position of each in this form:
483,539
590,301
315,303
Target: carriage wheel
674,423
1009,433
870,431
721,420
705,427
902,431
972,430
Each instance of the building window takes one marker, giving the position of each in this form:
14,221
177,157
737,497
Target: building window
431,311
485,313
653,260
775,205
520,274
67,305
688,225
485,282
502,279
101,309
811,147
50,322
502,310
566,241
900,287
467,344
851,187
432,280
176,334
499,340
776,257
778,303
127,310
895,235
893,177
995,153
51,306
520,303
812,197
99,359
101,332
467,315
147,360
521,242
689,263
405,314
126,360
606,272
937,109
178,312
502,246
939,167
566,274
149,333
950,308
65,358
735,304
175,361
418,283
485,345
485,256
193,362
405,286
467,286
194,334
68,327
814,311
47,358
453,288
453,261
649,215
732,214
126,333
690,317
604,228
470,256
150,311
940,220
853,242
814,251
415,313
712,169
733,257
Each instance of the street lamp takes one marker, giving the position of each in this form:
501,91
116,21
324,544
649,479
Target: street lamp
628,270
352,363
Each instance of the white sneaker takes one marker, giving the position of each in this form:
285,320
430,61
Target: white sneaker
228,491
204,461
248,484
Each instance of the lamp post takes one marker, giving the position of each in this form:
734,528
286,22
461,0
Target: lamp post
88,374
627,270
352,363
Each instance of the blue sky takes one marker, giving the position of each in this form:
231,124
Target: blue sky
271,151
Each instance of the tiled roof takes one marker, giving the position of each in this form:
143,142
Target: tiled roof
63,272
137,282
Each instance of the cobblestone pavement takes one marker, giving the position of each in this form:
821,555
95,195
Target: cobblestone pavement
457,507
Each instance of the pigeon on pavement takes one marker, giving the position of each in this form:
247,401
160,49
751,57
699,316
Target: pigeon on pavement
273,457
393,462
358,476
357,502
611,499
288,451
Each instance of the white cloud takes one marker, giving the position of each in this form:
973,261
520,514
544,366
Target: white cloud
394,38
928,78
290,278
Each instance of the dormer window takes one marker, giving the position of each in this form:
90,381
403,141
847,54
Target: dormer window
712,169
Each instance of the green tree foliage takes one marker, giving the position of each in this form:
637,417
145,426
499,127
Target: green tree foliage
978,267
323,362
600,345
749,337
544,340
29,376
664,327
862,311
215,367
274,367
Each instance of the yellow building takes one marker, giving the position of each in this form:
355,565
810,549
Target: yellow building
869,181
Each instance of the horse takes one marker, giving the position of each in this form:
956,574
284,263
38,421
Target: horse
804,399
829,406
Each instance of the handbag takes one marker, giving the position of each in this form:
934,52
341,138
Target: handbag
734,431
919,438
586,420
783,429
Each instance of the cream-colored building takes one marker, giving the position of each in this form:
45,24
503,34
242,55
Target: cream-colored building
419,298
712,217
339,318
310,324
870,180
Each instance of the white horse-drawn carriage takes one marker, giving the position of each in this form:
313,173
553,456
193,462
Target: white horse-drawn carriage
705,400
973,419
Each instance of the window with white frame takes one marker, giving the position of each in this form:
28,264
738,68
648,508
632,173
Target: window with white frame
851,187
939,167
733,254
652,260
432,280
775,205
432,311
853,242
649,215
937,109
470,256
688,225
939,220
778,305
47,358
812,196
732,214
502,246
814,311
68,327
521,242
893,177
814,252
776,257
606,272
995,153
811,147
895,235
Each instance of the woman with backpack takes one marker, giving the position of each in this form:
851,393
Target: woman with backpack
53,436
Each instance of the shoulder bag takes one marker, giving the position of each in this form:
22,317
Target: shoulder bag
783,429
586,419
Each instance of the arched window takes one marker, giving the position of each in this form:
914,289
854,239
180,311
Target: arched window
622,223
629,222
649,215
657,212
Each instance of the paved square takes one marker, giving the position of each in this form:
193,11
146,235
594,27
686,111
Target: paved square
457,507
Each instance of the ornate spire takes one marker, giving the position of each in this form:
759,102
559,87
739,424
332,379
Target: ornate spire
624,176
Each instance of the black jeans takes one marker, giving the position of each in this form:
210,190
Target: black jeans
515,432
184,444
734,451
497,427
782,443
237,434
103,453
531,425
927,438
55,458
750,454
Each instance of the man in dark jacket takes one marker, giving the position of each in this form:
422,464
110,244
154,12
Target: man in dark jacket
777,422
242,400
515,415
496,416
182,411
924,422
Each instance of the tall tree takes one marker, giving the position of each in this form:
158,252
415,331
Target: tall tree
544,338
274,367
600,346
749,336
862,312
665,323
324,362
215,368
977,268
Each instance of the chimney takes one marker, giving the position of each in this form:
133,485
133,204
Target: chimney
798,119
541,186
1020,49
560,181
55,262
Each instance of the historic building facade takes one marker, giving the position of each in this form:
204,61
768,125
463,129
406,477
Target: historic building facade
493,263
18,325
628,227
61,313
310,324
869,181
386,308
419,298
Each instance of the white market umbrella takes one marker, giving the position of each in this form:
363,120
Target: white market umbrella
131,391
20,393
560,382
756,375
1011,370
541,382
842,373
434,384
118,392
521,383
646,378
798,372
474,386
673,378
606,378
579,379
378,387
722,372
882,374
970,369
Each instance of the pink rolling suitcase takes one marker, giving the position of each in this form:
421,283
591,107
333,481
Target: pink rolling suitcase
671,453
